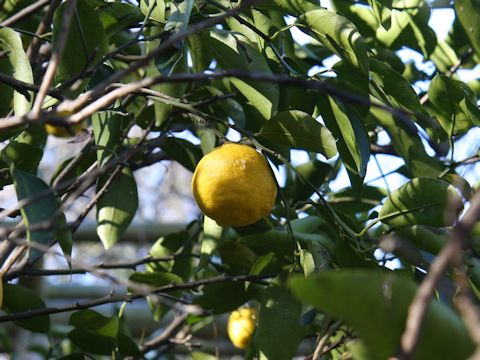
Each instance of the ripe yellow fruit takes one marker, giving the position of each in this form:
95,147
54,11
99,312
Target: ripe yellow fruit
240,327
62,131
234,185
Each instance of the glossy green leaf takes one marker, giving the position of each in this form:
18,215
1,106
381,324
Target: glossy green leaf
17,298
385,297
170,245
155,280
11,42
349,201
107,128
339,35
397,90
88,319
116,17
311,173
38,212
224,297
422,201
409,27
407,143
281,242
117,207
279,333
92,342
199,51
235,51
379,7
182,151
155,9
299,130
172,62
468,12
291,7
455,104
347,127
86,41
212,234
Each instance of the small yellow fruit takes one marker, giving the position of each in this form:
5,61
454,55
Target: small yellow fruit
240,327
234,185
62,131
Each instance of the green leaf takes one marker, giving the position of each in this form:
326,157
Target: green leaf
422,201
107,129
346,125
117,207
38,212
313,172
212,235
116,17
88,319
154,280
17,299
397,90
235,51
11,42
279,332
281,242
455,104
378,7
468,12
199,51
224,297
167,246
409,28
173,62
339,35
86,42
349,201
385,297
182,151
299,130
291,7
156,9
92,342
407,143
26,157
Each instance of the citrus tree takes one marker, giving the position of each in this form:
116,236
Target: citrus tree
304,251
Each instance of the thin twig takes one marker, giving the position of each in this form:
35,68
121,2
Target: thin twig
55,59
43,27
26,11
112,298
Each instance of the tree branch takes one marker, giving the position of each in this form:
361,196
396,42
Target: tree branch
112,298
450,255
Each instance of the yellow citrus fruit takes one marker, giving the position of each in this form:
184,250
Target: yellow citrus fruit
62,131
234,185
240,327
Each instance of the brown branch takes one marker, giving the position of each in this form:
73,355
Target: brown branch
132,265
112,298
450,255
24,87
43,27
55,59
25,12
165,336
